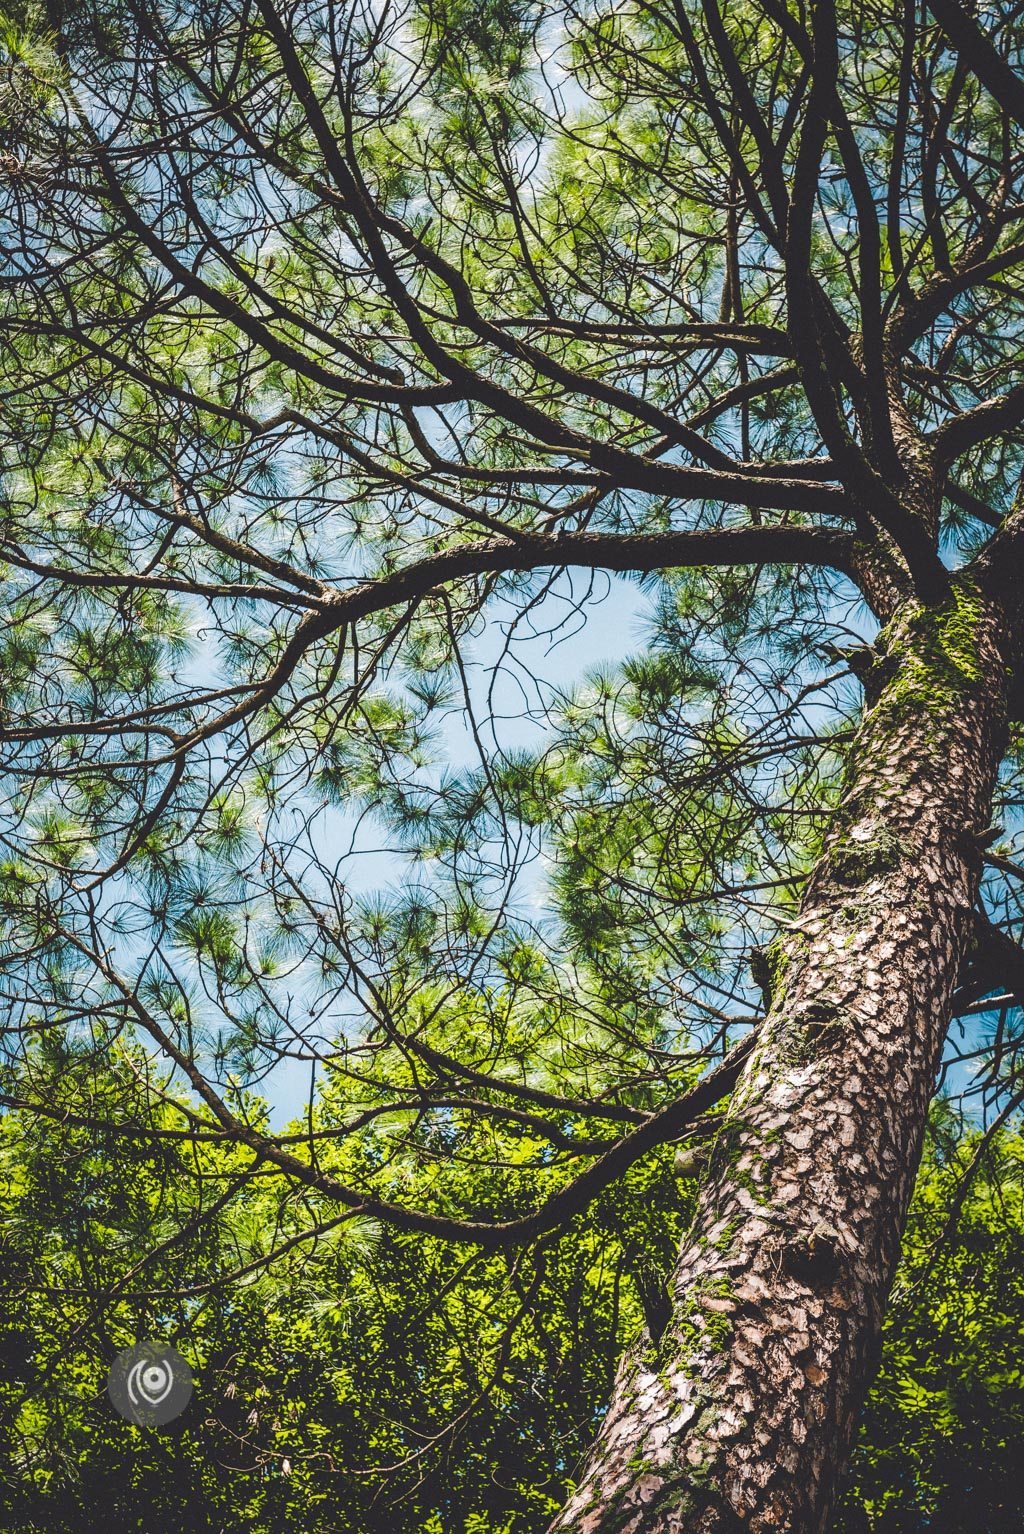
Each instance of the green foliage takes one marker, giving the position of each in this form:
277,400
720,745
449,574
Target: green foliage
942,1435
368,1381
475,1378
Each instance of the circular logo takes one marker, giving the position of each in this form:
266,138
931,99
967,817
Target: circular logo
149,1384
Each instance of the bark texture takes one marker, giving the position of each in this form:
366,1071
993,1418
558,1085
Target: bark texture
740,1415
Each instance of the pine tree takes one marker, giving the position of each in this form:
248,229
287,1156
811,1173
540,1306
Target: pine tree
336,336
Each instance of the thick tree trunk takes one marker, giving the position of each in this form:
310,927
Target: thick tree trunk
740,1415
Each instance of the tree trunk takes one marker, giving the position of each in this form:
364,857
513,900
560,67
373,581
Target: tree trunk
740,1415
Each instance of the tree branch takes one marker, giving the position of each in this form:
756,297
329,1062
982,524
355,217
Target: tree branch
981,56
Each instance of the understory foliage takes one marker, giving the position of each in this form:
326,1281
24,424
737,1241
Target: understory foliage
368,1381
942,1433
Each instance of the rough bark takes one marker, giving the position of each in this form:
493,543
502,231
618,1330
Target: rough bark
740,1415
